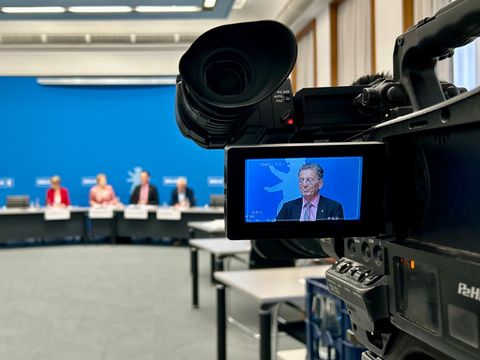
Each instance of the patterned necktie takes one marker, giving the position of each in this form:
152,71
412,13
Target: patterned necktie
306,214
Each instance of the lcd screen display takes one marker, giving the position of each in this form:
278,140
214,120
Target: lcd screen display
303,189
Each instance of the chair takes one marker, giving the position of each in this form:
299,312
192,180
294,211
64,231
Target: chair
217,200
18,201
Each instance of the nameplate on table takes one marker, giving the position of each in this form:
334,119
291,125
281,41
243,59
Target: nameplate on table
135,213
56,214
169,214
100,213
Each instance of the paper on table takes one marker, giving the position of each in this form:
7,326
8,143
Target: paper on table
135,213
165,213
100,212
52,214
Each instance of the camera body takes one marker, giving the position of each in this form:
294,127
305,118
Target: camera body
420,286
407,238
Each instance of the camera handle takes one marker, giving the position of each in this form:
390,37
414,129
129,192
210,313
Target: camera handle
435,38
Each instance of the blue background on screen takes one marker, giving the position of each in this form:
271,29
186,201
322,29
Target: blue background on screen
77,132
271,182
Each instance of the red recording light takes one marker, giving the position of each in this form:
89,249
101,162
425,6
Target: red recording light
290,121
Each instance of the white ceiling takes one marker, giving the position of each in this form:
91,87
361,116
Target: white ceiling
116,48
253,10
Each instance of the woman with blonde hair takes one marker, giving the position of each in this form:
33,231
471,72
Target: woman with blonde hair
102,193
57,196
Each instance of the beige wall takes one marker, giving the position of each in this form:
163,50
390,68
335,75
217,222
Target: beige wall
89,63
323,49
320,12
388,26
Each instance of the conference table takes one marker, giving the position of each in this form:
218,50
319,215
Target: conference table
269,287
157,222
219,250
202,229
164,222
19,224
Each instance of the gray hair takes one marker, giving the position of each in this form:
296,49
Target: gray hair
182,179
312,166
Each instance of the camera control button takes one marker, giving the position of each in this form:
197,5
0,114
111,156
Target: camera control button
370,279
337,266
342,267
351,271
288,119
360,274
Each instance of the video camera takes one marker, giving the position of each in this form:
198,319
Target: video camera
396,162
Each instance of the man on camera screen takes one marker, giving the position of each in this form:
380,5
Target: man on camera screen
311,206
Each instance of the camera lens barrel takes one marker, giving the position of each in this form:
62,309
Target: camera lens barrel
227,72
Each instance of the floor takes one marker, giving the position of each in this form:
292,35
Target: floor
113,303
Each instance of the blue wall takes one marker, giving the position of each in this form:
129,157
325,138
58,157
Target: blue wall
77,132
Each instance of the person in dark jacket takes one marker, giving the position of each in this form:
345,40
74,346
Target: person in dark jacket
182,196
145,193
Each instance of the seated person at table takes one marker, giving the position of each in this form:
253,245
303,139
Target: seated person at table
145,193
102,193
57,196
182,196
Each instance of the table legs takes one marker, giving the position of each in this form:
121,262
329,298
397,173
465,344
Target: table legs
265,317
114,229
194,266
213,264
85,229
216,264
221,323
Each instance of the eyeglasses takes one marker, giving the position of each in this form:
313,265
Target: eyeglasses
308,181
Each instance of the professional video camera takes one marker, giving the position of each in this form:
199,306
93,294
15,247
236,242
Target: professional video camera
401,157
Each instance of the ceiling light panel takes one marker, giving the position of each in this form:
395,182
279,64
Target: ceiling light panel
107,81
131,3
168,9
209,4
33,9
114,9
99,9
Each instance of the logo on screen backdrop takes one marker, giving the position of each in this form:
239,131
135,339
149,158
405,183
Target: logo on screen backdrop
215,181
88,181
42,182
170,180
7,183
288,184
134,177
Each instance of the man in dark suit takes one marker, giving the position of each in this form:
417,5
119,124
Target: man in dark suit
182,196
145,193
311,206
